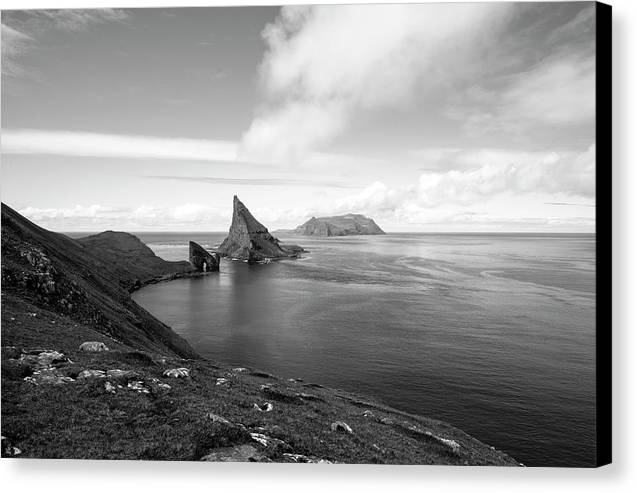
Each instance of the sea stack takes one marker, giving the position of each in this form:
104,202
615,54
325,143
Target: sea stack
201,259
345,225
251,241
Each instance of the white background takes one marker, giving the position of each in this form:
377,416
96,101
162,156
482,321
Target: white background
63,476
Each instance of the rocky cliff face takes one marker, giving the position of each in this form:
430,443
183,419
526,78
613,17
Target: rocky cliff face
346,225
88,280
250,240
201,259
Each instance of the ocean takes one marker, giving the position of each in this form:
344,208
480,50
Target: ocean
493,333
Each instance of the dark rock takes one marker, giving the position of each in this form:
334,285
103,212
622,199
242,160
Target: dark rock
14,369
278,395
261,374
11,352
201,259
137,357
250,240
346,225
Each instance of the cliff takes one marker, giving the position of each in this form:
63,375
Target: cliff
346,225
88,374
128,258
201,259
88,279
250,240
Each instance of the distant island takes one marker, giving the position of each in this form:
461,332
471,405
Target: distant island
344,225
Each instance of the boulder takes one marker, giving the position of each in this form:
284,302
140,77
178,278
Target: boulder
138,386
93,347
201,259
48,376
215,418
8,447
91,374
300,458
122,376
270,442
250,240
238,453
42,359
177,373
266,407
341,427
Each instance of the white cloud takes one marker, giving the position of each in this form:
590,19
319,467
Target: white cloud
69,143
325,62
22,32
483,176
499,171
144,217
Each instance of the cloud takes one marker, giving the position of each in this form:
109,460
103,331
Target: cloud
268,182
14,43
569,204
22,30
484,176
324,63
540,76
143,217
499,171
70,143
489,191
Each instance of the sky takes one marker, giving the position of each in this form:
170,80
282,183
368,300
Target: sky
433,117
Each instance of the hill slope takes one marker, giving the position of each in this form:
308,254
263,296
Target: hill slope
89,280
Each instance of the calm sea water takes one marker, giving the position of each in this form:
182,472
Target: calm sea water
492,333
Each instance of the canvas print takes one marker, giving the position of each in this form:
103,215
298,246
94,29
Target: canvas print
305,234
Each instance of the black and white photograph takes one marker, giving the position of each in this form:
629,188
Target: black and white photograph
324,234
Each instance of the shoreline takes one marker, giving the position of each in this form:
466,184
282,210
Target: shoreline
358,399
147,394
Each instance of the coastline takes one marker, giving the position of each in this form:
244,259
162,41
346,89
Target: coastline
150,395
